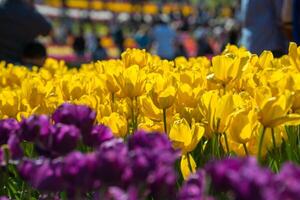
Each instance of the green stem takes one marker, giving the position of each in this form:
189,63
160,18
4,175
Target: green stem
273,138
189,162
226,143
261,139
245,149
165,120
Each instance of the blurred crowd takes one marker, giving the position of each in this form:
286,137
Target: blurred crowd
167,35
257,25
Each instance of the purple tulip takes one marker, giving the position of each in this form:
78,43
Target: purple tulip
98,135
112,161
44,175
77,171
162,183
288,182
156,141
35,126
80,116
141,164
193,189
244,177
8,127
14,145
65,138
4,198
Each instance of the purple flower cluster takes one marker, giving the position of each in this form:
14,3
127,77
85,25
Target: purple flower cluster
144,166
247,180
61,134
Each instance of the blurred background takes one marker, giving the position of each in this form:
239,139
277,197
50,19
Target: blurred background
85,30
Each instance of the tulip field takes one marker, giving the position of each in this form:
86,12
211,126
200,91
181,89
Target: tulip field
143,128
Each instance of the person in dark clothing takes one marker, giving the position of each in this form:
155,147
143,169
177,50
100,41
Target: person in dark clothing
118,37
296,21
34,54
100,52
20,24
79,45
204,48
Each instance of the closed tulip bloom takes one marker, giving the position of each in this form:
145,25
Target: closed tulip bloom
14,145
43,175
132,82
77,172
111,162
35,126
150,141
136,57
8,127
80,116
162,183
163,93
99,134
65,138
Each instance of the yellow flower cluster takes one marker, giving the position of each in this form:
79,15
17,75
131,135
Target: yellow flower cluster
238,96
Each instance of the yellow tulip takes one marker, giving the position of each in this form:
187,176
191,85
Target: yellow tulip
112,71
117,123
185,138
148,109
136,57
186,165
217,111
227,68
274,111
132,81
150,125
163,93
242,125
188,96
9,103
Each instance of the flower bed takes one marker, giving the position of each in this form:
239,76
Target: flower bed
238,104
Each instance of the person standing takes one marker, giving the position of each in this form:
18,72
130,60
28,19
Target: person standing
261,20
20,24
164,37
